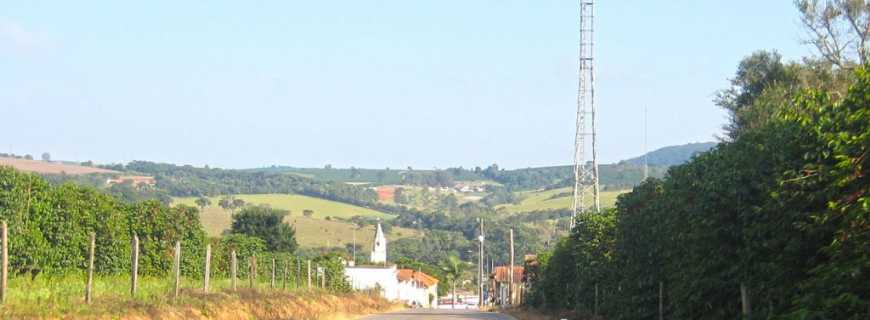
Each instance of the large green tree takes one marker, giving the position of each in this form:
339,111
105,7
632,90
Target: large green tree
267,224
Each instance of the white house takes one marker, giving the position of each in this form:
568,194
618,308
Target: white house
418,288
409,286
383,278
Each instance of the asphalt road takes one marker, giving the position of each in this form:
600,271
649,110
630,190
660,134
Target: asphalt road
439,314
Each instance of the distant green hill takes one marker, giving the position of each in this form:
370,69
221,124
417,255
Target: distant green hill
672,155
624,174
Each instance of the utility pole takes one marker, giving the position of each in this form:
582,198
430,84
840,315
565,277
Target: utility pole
585,170
511,272
480,265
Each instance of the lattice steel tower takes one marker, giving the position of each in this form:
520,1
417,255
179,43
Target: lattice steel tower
585,169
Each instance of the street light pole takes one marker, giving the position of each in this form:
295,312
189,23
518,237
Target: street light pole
480,266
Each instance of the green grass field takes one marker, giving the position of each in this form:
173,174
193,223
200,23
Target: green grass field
50,296
315,231
555,199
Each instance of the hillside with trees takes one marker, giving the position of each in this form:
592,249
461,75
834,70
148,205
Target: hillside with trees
671,155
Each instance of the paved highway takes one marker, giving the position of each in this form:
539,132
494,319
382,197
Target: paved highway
439,314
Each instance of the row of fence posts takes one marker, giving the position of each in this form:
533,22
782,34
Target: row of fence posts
176,269
745,307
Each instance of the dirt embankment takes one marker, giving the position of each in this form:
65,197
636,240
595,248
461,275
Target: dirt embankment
240,305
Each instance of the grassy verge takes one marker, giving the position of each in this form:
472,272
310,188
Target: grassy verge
63,297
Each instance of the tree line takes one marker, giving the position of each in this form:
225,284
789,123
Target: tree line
50,227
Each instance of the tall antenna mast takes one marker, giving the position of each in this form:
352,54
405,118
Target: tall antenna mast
585,171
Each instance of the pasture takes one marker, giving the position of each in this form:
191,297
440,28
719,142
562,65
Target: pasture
555,199
314,231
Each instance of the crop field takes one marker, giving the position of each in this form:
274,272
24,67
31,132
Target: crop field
315,231
555,199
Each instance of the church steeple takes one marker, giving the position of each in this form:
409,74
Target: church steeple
379,249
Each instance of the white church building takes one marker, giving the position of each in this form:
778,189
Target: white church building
410,286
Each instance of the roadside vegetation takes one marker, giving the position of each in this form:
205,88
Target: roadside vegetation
772,223
49,230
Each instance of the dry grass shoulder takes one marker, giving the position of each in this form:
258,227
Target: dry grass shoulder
523,313
223,305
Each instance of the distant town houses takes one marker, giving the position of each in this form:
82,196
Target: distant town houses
388,192
470,186
133,180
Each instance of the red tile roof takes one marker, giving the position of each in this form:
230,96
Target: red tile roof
420,277
500,274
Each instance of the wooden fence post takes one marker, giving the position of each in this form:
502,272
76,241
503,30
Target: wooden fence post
234,264
134,268
322,277
4,270
297,283
89,287
309,274
744,301
284,274
595,309
272,279
253,274
207,273
176,270
661,300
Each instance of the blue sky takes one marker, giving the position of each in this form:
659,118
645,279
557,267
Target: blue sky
366,83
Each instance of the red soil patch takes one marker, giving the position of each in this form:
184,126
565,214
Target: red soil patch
50,167
386,193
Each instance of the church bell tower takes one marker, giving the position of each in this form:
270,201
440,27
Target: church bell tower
379,249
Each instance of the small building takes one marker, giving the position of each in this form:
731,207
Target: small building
418,288
501,288
374,278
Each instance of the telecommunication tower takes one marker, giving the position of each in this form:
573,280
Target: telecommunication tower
585,165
